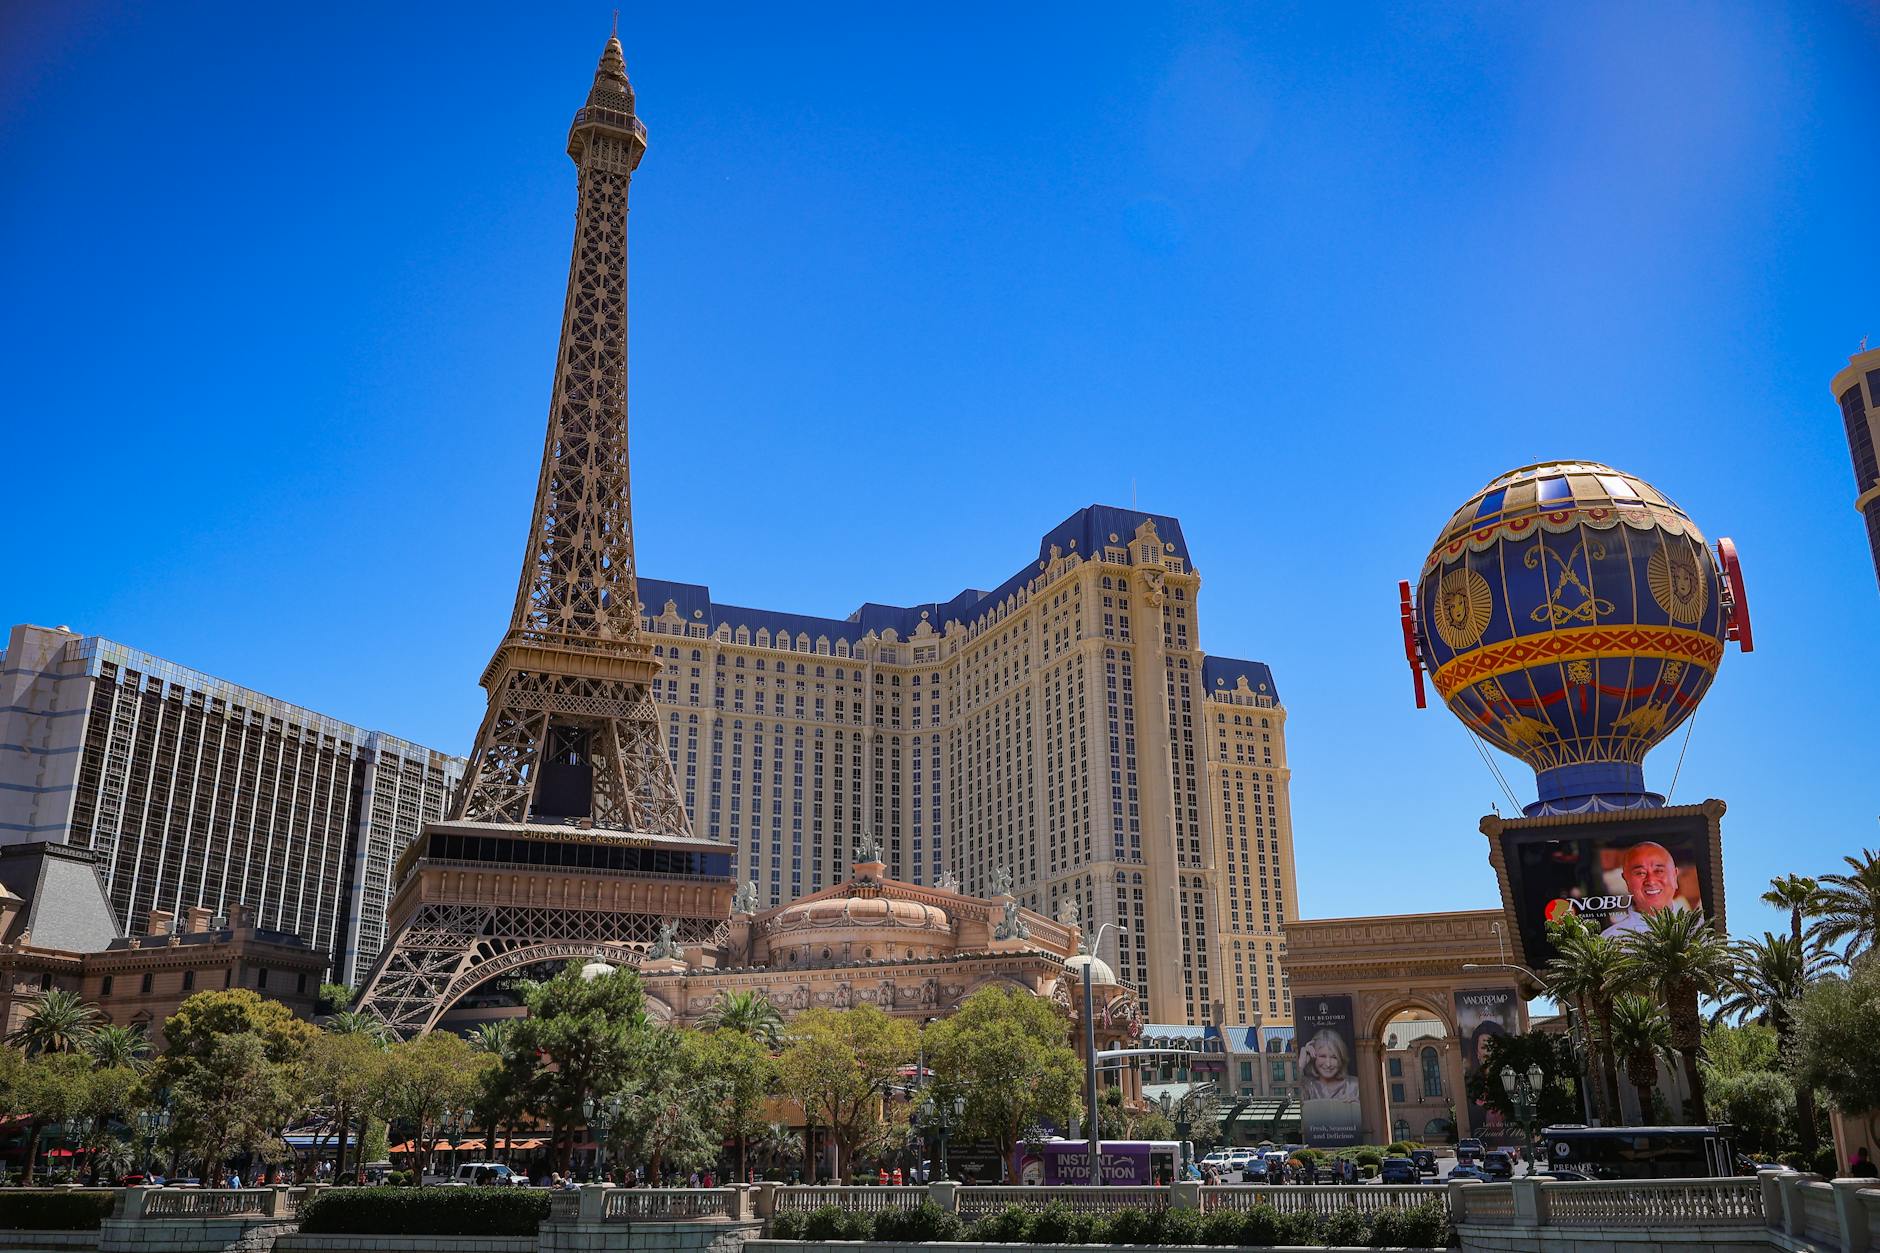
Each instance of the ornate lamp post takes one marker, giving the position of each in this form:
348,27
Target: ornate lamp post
1095,1130
942,1115
1524,1091
601,1117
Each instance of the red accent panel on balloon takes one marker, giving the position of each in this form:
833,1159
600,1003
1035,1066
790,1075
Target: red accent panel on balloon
1411,651
1736,596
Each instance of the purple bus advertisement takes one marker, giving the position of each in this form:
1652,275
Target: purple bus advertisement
1055,1163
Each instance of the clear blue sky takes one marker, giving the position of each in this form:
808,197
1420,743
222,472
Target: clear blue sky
281,287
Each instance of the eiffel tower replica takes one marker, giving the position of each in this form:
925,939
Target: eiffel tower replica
567,837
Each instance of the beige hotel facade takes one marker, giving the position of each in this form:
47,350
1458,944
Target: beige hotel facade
1064,729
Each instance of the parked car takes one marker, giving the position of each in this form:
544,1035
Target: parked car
1425,1160
1399,1170
1497,1164
1565,1175
1467,1170
1469,1150
470,1174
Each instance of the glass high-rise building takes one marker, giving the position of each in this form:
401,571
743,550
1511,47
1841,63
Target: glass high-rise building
1857,389
1064,728
193,791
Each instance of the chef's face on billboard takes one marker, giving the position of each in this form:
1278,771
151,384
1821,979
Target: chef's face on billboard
1651,876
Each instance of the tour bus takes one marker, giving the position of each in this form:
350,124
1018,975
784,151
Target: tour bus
1059,1162
1641,1152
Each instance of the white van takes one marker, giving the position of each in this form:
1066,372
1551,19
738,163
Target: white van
470,1173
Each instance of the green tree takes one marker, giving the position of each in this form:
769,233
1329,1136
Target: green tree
1796,894
1590,969
580,1038
113,1094
777,1144
127,1047
333,998
1641,1035
232,1102
748,1076
1846,907
1559,1097
1008,1053
750,1013
56,1021
1680,956
419,1080
356,1022
193,1032
672,1108
1747,1088
1837,1037
502,1094
840,1067
1769,975
341,1071
51,1088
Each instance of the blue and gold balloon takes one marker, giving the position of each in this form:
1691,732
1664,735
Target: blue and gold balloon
1573,616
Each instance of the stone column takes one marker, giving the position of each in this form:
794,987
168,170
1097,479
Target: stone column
945,1194
1851,1212
1373,1109
1455,1086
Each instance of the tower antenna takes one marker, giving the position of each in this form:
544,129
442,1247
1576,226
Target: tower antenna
616,31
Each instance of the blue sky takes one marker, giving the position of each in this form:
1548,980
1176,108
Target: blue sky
282,286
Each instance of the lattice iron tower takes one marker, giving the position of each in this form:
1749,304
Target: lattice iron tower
569,790
571,730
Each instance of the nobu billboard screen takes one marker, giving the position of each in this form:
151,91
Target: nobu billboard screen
1611,875
1326,1044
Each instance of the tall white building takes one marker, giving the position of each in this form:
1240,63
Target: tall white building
1064,728
196,792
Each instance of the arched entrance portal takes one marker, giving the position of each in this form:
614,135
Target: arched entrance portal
1409,969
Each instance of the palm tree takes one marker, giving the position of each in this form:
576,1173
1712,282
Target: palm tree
56,1022
748,1012
1680,956
1770,974
778,1144
355,1022
1591,968
112,1045
1847,906
1795,893
497,1097
1642,1036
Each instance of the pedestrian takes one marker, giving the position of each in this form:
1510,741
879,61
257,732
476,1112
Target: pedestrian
1862,1166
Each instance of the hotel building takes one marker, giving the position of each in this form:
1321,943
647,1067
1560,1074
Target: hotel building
1064,729
193,792
1860,413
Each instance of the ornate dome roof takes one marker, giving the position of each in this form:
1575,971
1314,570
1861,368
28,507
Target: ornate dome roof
862,911
1100,971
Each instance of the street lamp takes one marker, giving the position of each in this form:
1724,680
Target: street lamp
1582,1054
601,1116
942,1115
1524,1090
1095,1129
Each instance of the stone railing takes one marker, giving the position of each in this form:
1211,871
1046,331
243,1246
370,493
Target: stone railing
636,1204
1807,1212
978,1200
861,1200
1655,1203
1367,1199
204,1203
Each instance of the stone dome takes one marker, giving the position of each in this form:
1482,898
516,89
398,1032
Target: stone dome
862,911
595,969
1100,971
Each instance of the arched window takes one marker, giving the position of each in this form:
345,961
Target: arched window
1432,1073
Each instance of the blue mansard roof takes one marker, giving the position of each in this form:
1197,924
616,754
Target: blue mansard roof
1223,674
1086,531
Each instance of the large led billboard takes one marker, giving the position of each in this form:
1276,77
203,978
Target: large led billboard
1611,870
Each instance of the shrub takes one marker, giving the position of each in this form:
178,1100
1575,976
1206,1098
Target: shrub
1401,1148
1347,1228
1057,1224
1180,1226
925,1223
1261,1225
832,1222
1010,1225
788,1225
1424,1226
1303,1227
1223,1227
425,1211
54,1211
1128,1226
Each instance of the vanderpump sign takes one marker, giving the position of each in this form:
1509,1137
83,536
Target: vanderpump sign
1482,1014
